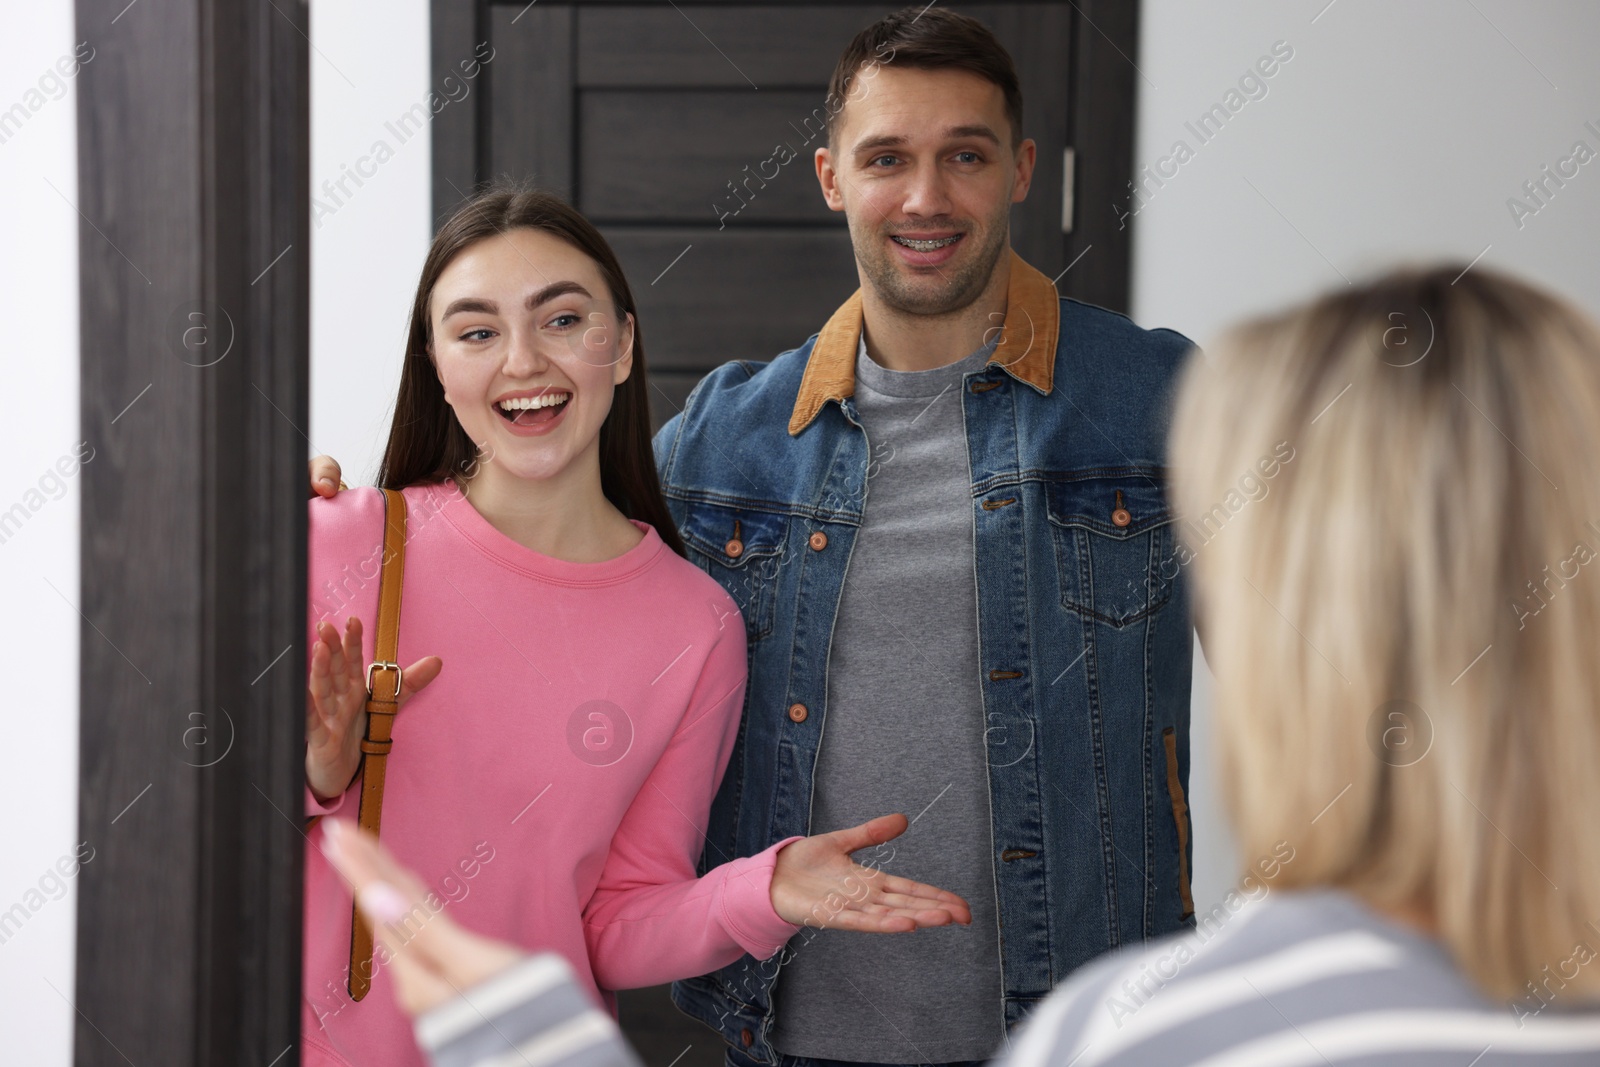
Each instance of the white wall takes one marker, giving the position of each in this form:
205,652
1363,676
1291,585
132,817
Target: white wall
369,68
1396,132
39,627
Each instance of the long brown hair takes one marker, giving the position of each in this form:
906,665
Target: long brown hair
426,441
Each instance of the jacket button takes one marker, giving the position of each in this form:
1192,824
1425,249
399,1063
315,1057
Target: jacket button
1120,516
797,713
746,1038
819,541
734,548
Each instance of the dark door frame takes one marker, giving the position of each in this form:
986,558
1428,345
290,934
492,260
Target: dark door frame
193,197
1103,44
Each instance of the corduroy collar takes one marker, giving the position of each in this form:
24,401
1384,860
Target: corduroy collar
1033,322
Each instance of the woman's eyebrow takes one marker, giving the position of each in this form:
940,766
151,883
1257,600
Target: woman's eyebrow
479,305
553,290
470,303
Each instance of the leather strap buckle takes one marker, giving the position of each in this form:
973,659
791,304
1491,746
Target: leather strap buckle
386,665
376,744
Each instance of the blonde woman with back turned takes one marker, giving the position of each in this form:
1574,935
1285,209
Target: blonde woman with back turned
1404,635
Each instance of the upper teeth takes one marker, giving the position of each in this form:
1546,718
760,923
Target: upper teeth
543,400
926,246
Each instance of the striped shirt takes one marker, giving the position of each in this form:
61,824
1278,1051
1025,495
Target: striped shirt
1311,978
530,1015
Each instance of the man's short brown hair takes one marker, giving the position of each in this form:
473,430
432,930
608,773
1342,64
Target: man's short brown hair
928,39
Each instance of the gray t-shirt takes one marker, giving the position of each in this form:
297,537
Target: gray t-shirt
904,732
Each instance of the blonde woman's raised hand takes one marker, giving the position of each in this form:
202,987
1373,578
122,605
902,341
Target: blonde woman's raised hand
431,958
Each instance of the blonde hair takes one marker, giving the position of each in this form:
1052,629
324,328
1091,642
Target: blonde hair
1405,627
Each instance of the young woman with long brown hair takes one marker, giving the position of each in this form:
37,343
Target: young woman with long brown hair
554,763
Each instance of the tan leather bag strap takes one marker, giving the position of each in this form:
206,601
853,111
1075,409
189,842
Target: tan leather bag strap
383,696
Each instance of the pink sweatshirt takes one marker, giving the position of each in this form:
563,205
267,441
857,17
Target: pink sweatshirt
552,785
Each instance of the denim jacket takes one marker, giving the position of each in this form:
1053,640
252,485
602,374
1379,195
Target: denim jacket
1083,621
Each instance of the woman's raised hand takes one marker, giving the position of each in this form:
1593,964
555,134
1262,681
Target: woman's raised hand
816,883
336,705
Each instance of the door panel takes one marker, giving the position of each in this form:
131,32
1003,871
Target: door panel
775,46
712,157
693,318
530,134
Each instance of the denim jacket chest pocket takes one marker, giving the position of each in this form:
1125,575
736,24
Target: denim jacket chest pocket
1111,533
743,550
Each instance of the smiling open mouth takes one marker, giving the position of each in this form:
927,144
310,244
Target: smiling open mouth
532,410
927,246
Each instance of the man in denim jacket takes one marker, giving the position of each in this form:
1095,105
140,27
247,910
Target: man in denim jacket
944,520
